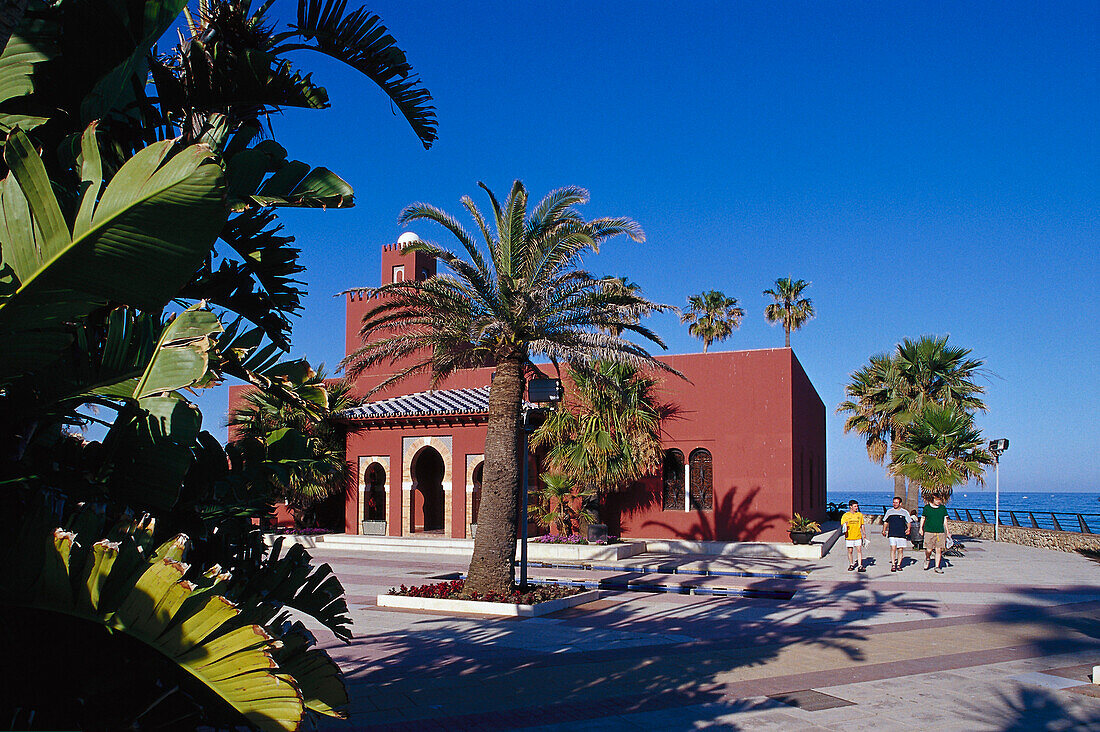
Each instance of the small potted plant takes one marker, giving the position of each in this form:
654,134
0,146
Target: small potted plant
802,530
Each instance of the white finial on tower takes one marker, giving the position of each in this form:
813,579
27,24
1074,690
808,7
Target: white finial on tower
407,238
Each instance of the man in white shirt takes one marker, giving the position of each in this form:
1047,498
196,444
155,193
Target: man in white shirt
895,526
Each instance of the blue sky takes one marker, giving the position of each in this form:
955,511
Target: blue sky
930,167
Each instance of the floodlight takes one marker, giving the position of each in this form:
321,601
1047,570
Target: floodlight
542,391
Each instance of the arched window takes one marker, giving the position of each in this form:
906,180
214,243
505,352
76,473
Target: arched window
475,497
374,493
700,480
672,486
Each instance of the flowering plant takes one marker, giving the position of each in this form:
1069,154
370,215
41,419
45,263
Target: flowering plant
453,590
572,539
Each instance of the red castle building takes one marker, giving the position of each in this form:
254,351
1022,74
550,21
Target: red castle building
745,453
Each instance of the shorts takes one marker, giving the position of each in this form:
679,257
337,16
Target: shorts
898,541
853,543
932,542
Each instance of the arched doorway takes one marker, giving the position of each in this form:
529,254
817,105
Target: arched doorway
374,493
427,495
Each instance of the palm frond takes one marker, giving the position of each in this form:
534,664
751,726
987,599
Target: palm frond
360,40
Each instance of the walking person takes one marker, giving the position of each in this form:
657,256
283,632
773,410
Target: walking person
852,522
933,524
895,526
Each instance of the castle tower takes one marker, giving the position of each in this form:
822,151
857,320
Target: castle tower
397,266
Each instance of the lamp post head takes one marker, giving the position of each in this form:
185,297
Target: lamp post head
543,391
997,447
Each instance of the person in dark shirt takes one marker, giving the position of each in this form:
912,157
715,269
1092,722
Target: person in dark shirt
895,526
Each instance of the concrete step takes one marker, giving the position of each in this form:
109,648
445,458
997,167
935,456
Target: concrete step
399,544
444,546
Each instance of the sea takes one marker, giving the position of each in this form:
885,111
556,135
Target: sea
975,499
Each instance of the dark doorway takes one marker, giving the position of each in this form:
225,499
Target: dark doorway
375,493
427,475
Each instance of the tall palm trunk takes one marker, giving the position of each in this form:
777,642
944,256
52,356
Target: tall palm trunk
787,330
492,568
899,490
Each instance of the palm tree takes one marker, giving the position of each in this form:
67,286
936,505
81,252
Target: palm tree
520,297
871,413
932,371
789,308
560,504
612,434
892,390
325,472
941,448
619,285
711,316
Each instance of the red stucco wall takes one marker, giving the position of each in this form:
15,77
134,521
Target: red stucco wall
756,412
739,406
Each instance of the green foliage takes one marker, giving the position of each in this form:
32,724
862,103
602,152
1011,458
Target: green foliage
789,307
112,204
225,638
711,316
611,435
561,504
136,243
521,297
941,448
892,393
277,423
801,524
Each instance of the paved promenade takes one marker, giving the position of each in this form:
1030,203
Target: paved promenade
1005,639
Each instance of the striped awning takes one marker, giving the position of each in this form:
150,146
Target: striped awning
425,403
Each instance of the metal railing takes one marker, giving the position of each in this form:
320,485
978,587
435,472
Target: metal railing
1082,523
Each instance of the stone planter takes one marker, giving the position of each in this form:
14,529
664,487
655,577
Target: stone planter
802,537
373,528
597,532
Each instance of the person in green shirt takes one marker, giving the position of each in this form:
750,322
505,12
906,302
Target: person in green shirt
933,524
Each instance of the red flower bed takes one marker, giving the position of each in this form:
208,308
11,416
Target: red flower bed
453,590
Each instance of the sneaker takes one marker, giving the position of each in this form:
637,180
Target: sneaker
927,567
861,568
939,571
851,567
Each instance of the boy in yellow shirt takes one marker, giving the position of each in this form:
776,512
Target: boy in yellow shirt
852,523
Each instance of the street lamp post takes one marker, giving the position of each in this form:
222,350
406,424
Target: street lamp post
997,447
539,391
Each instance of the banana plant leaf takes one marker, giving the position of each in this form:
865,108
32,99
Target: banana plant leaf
32,43
290,579
137,244
153,450
120,585
115,90
182,355
263,176
241,354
